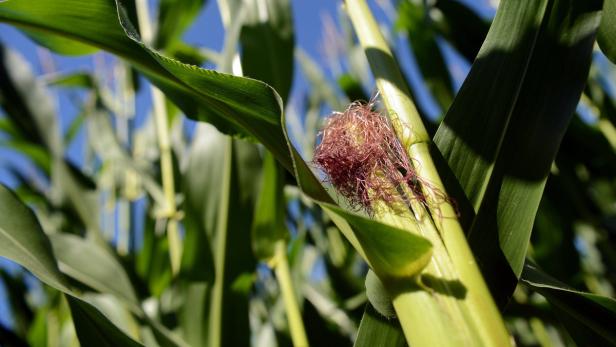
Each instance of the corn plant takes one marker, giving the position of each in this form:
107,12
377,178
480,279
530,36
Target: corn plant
478,216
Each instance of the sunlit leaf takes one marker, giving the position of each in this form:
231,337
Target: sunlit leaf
235,105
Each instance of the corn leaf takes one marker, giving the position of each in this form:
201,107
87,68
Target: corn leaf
23,241
94,266
94,329
269,221
519,97
220,195
377,331
589,318
267,40
235,105
174,17
606,36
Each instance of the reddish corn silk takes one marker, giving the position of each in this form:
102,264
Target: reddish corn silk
363,159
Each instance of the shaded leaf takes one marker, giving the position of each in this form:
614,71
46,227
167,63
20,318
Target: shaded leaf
94,329
267,40
269,222
220,193
376,330
520,95
463,28
92,265
589,318
606,35
174,17
23,241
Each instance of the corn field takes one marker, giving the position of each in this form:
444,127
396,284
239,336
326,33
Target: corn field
435,173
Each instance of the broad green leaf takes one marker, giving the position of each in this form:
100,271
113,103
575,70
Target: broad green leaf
269,221
116,311
220,188
391,252
235,105
589,318
94,329
267,41
519,97
174,17
606,36
93,266
60,44
23,241
200,184
378,331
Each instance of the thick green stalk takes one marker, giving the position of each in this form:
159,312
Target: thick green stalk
283,275
164,144
482,312
429,318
